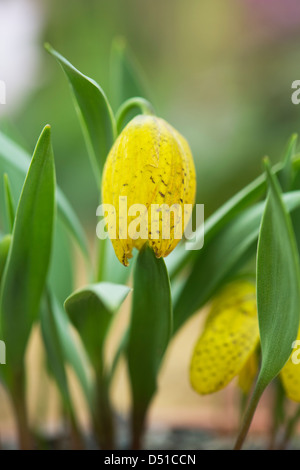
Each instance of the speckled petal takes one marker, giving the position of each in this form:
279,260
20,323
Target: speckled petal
230,336
150,164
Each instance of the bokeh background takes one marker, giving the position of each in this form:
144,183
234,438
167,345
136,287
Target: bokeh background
220,72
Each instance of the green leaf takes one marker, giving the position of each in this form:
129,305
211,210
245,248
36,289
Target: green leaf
4,249
278,284
278,294
29,255
125,74
94,111
286,175
91,310
221,257
10,206
149,331
63,348
15,161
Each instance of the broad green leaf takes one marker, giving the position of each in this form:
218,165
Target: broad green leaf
278,294
9,202
29,254
15,161
286,175
278,284
125,74
4,249
94,111
149,331
221,257
91,310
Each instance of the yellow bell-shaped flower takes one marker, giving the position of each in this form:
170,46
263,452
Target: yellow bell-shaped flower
227,347
150,172
230,337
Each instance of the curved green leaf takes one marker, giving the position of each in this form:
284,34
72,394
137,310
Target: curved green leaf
278,293
4,249
91,310
149,331
278,284
29,254
9,202
94,111
287,173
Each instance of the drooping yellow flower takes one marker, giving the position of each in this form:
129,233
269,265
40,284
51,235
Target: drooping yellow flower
230,336
151,165
227,346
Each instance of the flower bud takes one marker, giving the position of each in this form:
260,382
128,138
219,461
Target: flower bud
151,168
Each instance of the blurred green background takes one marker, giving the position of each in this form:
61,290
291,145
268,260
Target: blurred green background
220,72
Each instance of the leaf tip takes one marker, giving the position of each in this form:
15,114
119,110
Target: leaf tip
46,133
48,47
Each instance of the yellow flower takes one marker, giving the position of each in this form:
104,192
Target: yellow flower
150,164
227,346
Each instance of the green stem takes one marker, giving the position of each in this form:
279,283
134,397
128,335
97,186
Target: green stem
258,391
144,105
278,413
138,424
104,419
20,409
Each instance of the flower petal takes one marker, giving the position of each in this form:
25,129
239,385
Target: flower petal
229,338
149,164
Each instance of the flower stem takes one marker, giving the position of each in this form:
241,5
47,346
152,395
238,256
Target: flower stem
138,419
258,391
19,404
144,105
104,419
